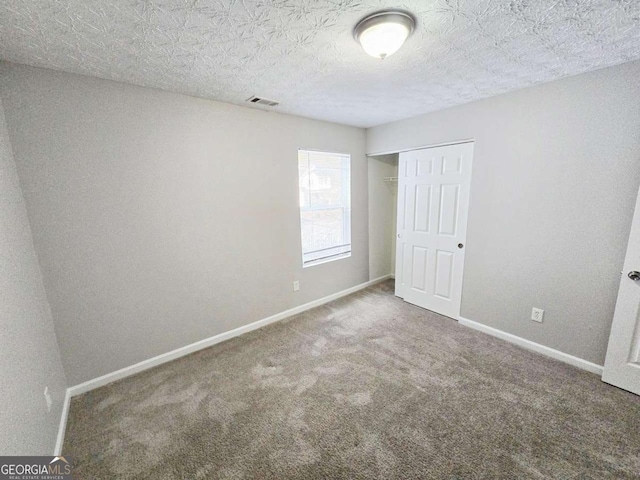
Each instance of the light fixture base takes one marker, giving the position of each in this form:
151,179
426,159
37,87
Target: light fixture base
382,33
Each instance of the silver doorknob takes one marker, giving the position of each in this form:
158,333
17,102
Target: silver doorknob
399,235
635,276
461,245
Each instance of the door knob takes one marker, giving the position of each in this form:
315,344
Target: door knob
461,245
635,276
399,235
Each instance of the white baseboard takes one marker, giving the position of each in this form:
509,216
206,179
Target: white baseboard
208,342
536,347
62,428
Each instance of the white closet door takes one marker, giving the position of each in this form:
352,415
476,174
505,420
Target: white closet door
622,364
433,199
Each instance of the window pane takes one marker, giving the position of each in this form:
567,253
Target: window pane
326,186
325,213
303,172
306,222
322,229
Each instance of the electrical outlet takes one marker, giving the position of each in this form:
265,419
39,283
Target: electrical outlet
47,397
537,314
296,286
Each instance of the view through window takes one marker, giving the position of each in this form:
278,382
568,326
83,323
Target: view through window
325,205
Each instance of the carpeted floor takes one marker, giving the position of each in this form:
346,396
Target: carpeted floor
365,387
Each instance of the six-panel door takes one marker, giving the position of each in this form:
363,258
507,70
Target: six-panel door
433,198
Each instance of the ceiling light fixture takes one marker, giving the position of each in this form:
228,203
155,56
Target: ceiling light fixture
382,33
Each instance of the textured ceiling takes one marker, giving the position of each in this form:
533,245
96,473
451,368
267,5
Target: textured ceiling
301,52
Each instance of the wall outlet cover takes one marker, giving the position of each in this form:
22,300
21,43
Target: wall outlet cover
537,314
296,286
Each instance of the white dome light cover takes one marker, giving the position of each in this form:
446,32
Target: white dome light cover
383,33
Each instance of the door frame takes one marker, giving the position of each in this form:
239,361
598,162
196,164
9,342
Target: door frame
422,147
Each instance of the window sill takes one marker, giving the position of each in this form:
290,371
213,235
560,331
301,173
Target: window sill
326,260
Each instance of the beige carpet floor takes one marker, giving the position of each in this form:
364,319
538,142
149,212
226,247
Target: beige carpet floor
367,386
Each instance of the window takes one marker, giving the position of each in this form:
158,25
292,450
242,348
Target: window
325,206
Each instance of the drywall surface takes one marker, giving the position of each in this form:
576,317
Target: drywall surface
162,219
555,175
29,356
382,211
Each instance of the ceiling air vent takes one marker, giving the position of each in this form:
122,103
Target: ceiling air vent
262,101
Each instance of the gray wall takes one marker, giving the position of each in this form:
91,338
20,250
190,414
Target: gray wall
382,215
29,356
555,176
161,219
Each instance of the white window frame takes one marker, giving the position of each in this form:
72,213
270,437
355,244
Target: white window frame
345,205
